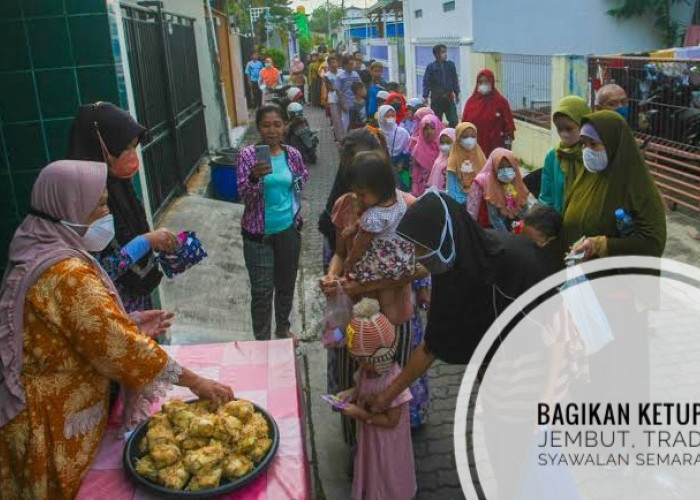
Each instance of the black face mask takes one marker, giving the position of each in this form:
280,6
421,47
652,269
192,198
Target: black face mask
397,107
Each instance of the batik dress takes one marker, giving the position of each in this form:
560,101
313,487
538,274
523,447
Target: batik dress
76,339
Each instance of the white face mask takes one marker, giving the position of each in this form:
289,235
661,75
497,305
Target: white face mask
445,148
506,175
484,88
595,161
434,261
98,234
468,143
391,121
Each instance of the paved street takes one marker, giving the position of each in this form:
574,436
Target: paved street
221,313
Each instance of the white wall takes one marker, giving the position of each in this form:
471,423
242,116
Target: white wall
212,110
548,27
435,22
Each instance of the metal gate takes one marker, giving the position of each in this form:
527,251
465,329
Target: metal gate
162,56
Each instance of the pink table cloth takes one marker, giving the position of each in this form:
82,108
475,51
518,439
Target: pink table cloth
262,372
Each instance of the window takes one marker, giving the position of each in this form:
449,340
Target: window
419,13
448,6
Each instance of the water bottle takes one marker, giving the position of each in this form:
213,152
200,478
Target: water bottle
624,223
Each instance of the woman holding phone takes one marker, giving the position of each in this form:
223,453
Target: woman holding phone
270,179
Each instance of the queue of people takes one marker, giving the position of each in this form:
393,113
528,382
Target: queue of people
420,217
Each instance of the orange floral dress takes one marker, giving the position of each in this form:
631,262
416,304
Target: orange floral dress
76,339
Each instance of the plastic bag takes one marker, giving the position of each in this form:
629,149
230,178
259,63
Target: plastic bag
336,319
588,315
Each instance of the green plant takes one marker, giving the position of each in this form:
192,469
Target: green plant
305,45
278,57
660,9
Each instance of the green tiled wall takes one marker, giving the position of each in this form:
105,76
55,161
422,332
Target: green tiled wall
54,56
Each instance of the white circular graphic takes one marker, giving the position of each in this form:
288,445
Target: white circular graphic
587,387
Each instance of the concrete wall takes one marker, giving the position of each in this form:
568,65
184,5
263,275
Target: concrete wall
216,132
436,23
547,27
531,143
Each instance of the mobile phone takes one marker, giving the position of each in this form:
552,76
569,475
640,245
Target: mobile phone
262,153
336,403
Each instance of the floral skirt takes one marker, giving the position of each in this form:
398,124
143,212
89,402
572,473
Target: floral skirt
385,259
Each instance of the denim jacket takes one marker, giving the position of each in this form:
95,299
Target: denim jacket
253,221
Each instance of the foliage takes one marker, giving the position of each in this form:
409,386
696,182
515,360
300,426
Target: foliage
659,9
239,10
278,58
305,45
319,18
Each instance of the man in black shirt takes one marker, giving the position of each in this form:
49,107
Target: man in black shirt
441,85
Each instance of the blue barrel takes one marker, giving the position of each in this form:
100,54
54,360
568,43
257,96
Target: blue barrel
224,181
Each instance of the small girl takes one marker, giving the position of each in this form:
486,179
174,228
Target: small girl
498,196
410,123
384,465
465,163
437,175
397,140
377,251
425,150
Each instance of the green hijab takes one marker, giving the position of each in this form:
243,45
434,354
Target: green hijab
571,157
590,204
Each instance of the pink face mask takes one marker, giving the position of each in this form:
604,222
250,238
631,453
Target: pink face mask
126,166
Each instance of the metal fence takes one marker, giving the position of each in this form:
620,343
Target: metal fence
526,81
664,98
162,56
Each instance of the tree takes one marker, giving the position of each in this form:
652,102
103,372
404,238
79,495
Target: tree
319,18
660,9
239,9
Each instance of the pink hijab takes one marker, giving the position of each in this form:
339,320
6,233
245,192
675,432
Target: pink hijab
437,175
418,117
68,190
424,152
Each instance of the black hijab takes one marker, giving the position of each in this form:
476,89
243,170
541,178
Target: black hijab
491,269
117,128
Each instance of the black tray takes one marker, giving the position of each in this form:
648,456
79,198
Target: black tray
131,454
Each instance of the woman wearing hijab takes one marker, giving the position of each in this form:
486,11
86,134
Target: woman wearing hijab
270,77
419,115
397,101
568,155
490,112
102,132
397,140
498,196
438,175
614,175
65,335
296,73
466,161
314,81
425,149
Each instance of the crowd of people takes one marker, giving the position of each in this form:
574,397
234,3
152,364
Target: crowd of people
421,217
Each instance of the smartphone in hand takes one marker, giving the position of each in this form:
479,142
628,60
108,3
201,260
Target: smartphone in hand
262,153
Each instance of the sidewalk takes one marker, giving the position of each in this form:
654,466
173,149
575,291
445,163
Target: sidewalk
212,305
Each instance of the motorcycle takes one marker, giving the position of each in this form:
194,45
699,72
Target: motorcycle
284,96
300,135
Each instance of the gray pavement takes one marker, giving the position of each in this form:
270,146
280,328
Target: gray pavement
212,304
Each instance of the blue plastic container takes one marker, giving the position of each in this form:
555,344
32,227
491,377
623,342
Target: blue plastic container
224,179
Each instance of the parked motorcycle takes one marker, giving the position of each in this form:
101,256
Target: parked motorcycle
285,95
300,135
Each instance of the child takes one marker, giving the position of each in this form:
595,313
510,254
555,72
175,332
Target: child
498,195
424,151
465,163
381,98
398,102
419,115
384,465
377,251
397,140
438,174
542,224
409,123
358,110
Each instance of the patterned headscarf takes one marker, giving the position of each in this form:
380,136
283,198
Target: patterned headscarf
495,192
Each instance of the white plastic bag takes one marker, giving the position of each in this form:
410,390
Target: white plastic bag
336,319
588,315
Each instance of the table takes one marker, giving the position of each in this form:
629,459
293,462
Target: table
262,372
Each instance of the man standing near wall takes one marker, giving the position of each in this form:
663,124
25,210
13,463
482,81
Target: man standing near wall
252,71
441,85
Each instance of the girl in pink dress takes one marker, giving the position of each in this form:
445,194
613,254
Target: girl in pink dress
384,467
425,149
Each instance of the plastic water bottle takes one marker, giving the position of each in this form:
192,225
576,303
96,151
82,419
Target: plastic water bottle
624,223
